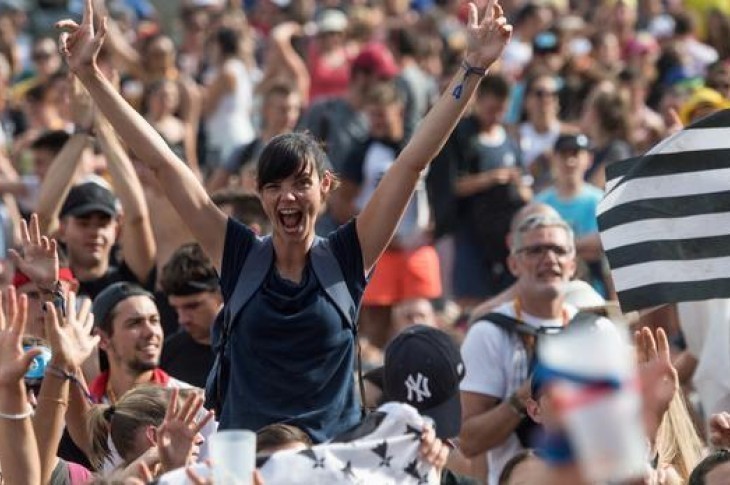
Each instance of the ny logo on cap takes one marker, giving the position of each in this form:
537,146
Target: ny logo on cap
417,387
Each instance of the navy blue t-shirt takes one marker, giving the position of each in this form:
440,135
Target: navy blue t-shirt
291,352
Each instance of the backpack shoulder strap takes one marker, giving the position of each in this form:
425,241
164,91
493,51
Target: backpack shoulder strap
254,271
509,324
329,274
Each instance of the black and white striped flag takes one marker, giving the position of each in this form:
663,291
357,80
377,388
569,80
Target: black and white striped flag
665,218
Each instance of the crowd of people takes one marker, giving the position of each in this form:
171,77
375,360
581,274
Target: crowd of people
279,215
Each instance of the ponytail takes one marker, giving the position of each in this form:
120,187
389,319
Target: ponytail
99,427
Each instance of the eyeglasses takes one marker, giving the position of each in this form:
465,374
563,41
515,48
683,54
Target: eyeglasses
538,251
544,93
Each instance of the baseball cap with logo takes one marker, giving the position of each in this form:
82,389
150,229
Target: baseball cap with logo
89,197
423,368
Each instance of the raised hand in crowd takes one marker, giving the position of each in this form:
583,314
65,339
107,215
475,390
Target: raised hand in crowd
68,333
18,451
38,255
81,43
179,434
720,430
488,37
659,380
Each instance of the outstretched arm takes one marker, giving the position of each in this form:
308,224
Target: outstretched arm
80,45
138,242
18,450
378,220
61,174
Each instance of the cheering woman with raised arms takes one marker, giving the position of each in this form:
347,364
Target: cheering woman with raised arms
290,348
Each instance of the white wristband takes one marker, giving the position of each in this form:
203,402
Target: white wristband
18,417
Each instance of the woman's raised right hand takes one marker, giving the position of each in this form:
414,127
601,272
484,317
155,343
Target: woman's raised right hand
80,43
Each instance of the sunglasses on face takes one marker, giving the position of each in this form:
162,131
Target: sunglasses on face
540,250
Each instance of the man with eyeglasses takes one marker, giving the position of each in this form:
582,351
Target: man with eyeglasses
496,386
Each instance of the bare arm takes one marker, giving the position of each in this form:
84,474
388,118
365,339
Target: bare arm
78,409
60,176
289,58
190,111
58,181
48,422
486,423
185,192
18,449
377,222
138,242
223,84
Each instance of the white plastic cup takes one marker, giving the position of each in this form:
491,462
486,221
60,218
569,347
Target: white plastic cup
603,423
233,457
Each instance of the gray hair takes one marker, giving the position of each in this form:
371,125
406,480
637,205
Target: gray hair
538,221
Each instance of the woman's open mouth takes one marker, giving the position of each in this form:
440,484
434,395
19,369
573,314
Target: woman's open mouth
290,219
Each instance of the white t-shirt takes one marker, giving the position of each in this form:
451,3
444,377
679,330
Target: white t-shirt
534,144
496,365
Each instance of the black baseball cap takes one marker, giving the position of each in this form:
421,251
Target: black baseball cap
89,197
572,141
111,296
423,368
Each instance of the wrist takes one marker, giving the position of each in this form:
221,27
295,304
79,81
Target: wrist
87,72
517,406
49,287
477,63
12,397
61,366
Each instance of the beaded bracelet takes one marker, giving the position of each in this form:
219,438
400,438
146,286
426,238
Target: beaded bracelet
62,374
468,71
18,417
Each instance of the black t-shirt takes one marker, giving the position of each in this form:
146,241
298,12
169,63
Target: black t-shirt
187,360
114,274
291,352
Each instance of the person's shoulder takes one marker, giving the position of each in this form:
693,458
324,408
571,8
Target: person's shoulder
484,327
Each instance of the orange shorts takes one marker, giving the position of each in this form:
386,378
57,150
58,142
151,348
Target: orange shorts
401,275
